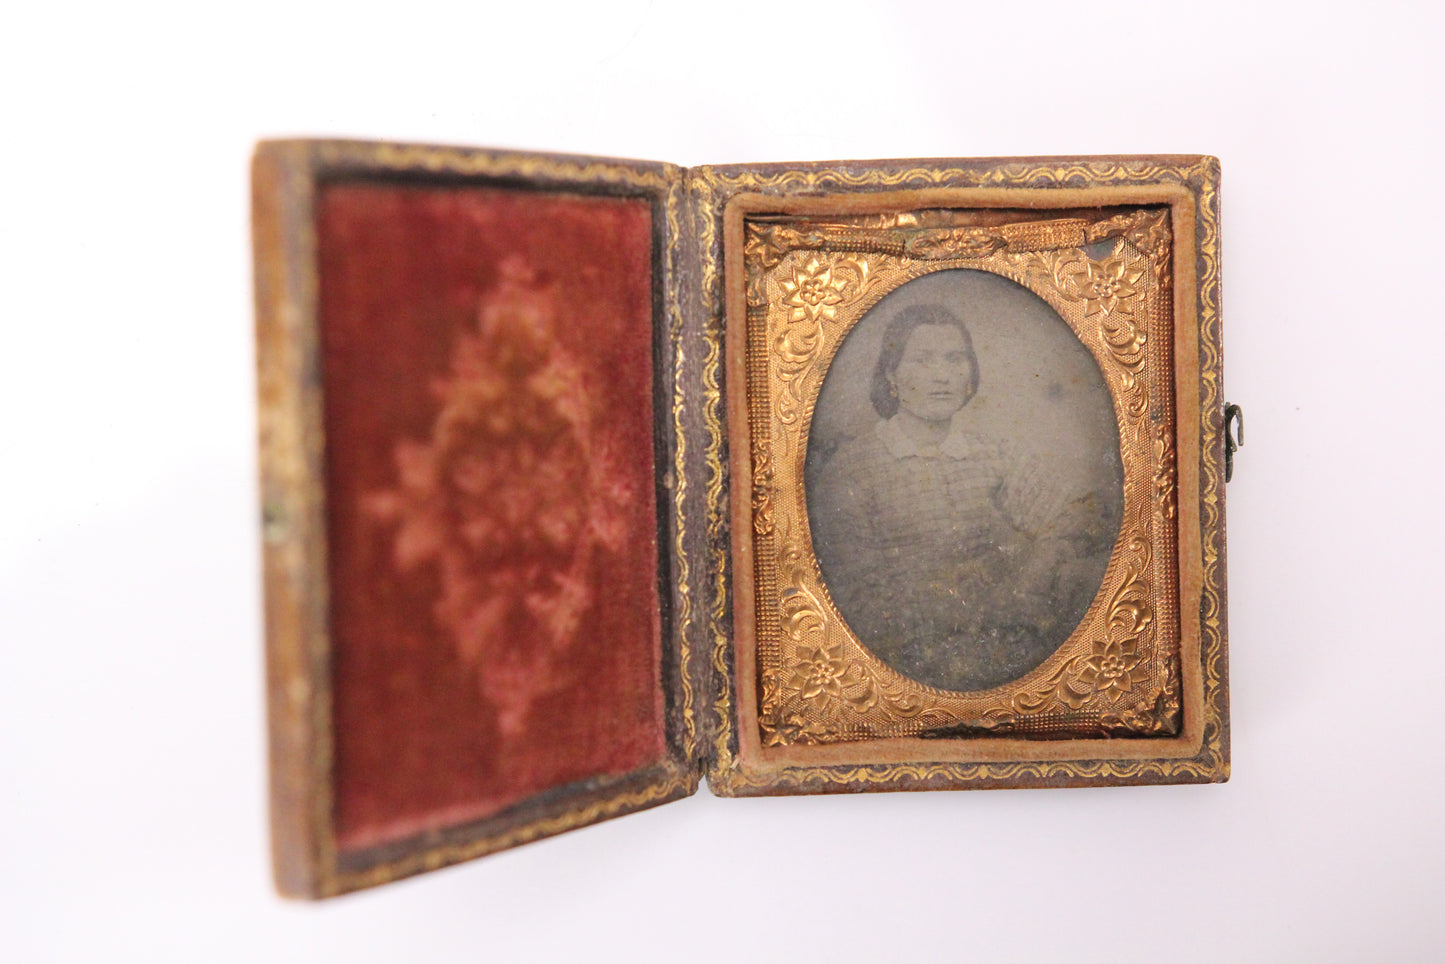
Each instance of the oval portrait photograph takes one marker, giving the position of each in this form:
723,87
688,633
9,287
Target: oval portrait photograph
963,481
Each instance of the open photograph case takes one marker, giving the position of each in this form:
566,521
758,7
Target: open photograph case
584,479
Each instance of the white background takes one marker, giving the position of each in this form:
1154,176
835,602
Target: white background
131,734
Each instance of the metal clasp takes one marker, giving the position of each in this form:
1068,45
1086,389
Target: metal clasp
1233,436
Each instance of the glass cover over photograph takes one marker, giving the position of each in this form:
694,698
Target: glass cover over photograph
963,480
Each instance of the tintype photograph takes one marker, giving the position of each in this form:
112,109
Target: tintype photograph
964,487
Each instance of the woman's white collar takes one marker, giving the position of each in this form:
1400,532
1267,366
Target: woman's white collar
957,444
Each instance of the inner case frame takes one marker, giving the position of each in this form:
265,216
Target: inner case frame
1186,744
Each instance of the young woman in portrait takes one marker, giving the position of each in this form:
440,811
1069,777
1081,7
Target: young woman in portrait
955,559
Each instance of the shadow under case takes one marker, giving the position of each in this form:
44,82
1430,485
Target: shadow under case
583,479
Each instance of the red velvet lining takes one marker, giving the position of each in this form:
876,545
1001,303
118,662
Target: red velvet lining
492,516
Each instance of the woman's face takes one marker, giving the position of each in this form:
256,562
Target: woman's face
932,376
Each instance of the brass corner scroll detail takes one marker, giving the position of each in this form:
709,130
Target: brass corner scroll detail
809,281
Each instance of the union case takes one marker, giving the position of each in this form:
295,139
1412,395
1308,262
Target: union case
521,487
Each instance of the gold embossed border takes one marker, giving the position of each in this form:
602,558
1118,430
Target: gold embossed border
809,283
1189,184
285,178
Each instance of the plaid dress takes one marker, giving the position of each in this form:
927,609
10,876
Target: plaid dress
936,556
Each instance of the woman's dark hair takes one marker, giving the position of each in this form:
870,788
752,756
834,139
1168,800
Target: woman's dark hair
895,338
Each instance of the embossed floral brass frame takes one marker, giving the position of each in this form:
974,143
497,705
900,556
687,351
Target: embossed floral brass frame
809,283
1137,693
